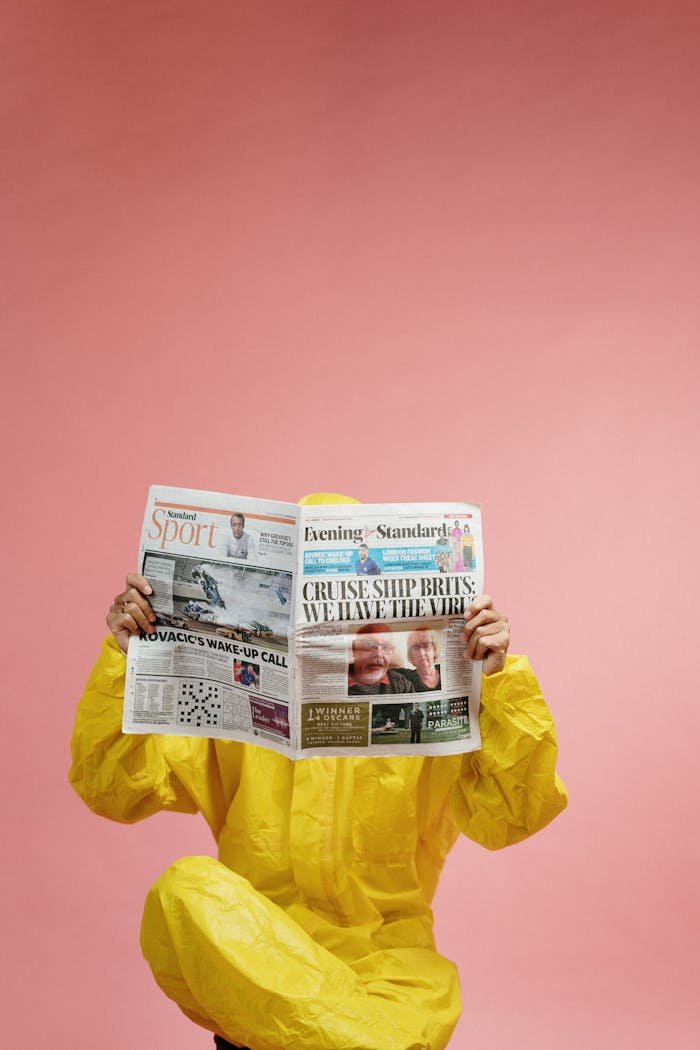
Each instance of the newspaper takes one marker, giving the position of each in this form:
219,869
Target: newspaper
315,631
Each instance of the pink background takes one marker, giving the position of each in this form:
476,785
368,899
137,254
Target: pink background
403,250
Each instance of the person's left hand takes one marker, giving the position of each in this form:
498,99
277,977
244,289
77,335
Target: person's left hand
487,634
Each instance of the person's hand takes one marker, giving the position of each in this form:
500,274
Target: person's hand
131,612
487,634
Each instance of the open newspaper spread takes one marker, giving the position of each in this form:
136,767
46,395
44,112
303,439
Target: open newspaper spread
320,630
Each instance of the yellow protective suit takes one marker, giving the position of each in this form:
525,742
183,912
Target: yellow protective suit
313,929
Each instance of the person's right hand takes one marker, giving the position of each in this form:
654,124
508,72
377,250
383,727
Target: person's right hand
131,612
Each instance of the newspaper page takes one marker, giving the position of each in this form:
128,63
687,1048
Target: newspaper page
315,631
218,661
379,649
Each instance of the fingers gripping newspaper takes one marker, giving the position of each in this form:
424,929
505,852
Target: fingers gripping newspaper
319,630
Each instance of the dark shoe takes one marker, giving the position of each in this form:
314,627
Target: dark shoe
223,1044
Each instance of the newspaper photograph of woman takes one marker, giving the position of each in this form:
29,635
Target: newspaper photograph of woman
423,650
467,549
442,553
239,601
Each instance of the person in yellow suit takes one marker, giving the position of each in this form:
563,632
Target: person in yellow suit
313,930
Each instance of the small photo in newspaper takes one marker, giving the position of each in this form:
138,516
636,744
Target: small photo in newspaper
246,674
409,722
389,659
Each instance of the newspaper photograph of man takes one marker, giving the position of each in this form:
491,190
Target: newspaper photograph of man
420,722
246,673
240,544
241,602
366,566
415,722
370,669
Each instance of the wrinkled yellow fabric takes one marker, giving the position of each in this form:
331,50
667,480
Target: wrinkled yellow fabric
313,929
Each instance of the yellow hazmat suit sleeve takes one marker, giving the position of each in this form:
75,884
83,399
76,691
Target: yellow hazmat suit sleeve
128,777
509,789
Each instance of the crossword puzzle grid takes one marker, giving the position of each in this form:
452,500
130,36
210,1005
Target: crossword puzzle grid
199,704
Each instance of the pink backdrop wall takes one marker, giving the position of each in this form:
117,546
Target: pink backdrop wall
412,250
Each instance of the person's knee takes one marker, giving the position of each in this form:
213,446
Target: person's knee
182,877
167,896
